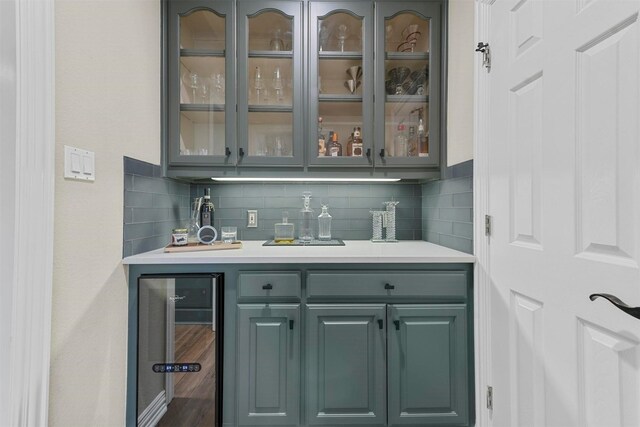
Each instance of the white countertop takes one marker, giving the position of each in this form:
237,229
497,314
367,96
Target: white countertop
354,251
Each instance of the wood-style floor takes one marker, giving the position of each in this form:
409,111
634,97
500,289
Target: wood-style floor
193,401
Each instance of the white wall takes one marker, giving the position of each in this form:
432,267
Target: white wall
107,101
460,81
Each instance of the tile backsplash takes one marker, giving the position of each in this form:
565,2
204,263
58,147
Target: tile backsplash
349,206
447,209
440,212
153,206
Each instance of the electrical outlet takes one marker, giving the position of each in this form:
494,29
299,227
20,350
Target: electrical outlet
252,219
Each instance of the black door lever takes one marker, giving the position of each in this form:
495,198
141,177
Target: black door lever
634,311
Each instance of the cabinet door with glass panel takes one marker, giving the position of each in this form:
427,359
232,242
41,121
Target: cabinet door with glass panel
340,84
270,83
408,85
201,71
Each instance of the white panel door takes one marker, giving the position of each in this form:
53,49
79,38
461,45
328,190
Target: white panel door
564,196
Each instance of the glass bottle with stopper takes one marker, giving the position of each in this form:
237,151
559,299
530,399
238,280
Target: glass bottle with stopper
306,218
324,224
284,231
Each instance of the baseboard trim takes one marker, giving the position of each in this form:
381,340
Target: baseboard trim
154,412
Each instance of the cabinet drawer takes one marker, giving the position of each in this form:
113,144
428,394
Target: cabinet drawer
269,285
439,285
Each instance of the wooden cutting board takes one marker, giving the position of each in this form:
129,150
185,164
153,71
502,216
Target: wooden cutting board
217,246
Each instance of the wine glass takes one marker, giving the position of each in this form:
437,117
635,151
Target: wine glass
258,84
343,31
323,36
192,80
218,87
203,90
277,85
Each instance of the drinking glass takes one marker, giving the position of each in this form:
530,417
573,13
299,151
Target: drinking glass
229,234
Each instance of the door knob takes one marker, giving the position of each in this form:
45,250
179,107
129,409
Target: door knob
634,311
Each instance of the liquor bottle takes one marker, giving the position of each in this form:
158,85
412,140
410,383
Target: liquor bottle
335,149
328,144
400,141
357,143
207,209
423,140
350,144
412,149
322,142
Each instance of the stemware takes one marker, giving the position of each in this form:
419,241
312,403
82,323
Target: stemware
203,89
192,80
343,31
258,84
323,36
277,85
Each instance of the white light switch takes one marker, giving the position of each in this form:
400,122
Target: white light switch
79,164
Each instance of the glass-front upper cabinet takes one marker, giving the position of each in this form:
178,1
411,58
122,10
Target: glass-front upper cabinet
340,84
408,85
201,70
270,83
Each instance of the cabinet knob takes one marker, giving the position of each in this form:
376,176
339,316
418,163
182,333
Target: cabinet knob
388,286
291,325
368,153
397,323
380,324
227,151
267,287
241,152
382,152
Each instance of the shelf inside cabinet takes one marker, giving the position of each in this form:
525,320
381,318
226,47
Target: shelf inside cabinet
408,56
270,108
270,54
339,55
202,107
407,98
202,52
339,98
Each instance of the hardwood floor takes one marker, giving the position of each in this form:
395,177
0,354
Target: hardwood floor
193,401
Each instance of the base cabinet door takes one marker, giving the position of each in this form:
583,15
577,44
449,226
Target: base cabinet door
268,364
427,368
346,366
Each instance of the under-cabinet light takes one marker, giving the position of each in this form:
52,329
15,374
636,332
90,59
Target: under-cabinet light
249,179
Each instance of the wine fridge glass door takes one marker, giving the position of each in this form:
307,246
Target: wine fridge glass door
179,350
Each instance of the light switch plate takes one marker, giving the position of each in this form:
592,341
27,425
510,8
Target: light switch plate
252,219
79,164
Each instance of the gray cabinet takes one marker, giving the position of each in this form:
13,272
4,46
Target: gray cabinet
268,366
427,366
296,62
408,88
198,125
270,111
345,359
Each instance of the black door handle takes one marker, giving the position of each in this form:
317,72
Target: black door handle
227,151
241,151
291,325
397,323
368,153
380,324
634,311
389,286
382,152
267,287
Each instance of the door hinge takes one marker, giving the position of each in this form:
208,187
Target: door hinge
487,225
489,397
486,54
